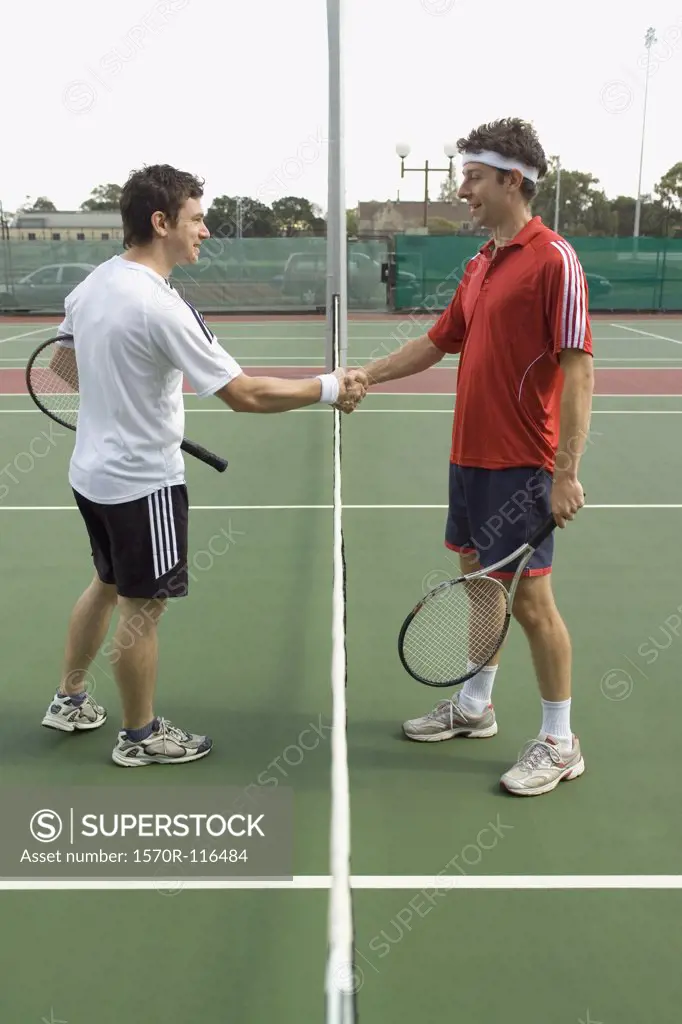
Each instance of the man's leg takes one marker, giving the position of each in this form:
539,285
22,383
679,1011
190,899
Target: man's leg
150,563
550,644
468,712
73,708
88,626
135,655
555,754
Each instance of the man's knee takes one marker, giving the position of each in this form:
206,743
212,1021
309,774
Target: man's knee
468,562
534,602
141,613
106,592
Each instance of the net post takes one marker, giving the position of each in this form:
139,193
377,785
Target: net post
337,244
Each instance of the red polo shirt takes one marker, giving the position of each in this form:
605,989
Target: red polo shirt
509,319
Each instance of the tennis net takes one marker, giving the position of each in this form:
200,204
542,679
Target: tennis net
341,983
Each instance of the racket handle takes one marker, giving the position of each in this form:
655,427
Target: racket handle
545,530
542,533
204,455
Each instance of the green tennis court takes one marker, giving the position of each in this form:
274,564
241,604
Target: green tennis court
247,658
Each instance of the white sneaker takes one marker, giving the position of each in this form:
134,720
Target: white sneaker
448,719
542,766
68,716
165,745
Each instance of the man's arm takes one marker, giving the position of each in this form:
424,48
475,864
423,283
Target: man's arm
567,305
63,364
63,361
212,371
281,394
576,409
418,354
415,355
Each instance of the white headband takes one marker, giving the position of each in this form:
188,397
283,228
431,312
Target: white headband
503,163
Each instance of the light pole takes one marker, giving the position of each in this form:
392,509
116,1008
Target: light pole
403,150
649,40
557,195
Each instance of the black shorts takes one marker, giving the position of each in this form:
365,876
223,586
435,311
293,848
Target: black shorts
494,511
141,546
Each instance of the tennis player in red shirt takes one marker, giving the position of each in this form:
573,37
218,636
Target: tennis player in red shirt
519,321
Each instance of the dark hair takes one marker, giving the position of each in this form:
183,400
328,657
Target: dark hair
513,138
156,188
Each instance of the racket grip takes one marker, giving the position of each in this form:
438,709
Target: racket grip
196,450
542,533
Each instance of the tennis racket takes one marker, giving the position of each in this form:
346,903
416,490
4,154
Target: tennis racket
52,382
459,626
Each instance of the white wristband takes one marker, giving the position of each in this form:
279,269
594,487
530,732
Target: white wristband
330,387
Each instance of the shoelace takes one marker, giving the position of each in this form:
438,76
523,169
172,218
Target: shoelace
538,754
440,706
168,731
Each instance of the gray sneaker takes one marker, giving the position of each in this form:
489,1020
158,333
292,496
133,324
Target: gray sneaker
541,767
166,745
448,719
68,716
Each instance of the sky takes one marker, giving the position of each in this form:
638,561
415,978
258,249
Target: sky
238,92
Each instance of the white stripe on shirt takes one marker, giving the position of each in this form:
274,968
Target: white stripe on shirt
573,307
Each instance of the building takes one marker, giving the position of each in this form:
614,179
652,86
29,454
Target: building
395,217
67,226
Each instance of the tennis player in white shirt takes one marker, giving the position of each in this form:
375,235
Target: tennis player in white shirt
134,338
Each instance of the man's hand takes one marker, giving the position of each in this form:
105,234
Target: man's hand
567,497
359,374
351,390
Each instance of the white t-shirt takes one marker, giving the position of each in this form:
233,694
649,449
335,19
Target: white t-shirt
135,337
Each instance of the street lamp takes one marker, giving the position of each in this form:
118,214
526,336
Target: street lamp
403,150
557,194
649,40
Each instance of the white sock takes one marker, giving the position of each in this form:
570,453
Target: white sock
556,721
475,695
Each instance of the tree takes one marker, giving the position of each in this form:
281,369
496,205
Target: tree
232,216
296,216
448,190
41,205
577,194
440,226
669,187
624,209
103,197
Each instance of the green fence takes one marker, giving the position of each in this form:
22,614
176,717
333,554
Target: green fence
622,274
247,274
262,275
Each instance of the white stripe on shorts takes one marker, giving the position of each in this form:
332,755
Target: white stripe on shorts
162,527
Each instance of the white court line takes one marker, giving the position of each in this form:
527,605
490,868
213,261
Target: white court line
638,359
449,362
648,334
418,882
268,508
390,394
381,336
391,412
26,334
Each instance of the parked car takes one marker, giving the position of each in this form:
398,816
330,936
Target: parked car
304,278
44,288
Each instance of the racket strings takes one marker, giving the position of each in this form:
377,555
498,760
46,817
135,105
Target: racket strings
457,630
53,377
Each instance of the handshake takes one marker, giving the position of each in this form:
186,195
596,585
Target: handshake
353,385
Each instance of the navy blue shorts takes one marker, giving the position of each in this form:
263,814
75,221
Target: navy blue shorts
493,511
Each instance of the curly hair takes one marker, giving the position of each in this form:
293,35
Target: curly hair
156,188
514,138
